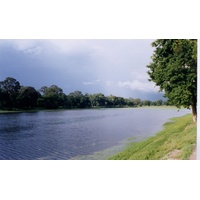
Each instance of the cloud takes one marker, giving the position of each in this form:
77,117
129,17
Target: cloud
34,51
108,83
92,82
115,67
70,47
22,45
138,85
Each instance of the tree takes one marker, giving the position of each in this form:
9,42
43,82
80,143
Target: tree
174,69
52,97
27,97
78,100
130,102
99,100
9,89
146,102
159,102
137,102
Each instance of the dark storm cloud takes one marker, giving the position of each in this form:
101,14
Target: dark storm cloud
115,67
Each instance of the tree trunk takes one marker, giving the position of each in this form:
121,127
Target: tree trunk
194,112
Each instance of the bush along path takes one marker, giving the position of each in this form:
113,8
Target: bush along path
176,141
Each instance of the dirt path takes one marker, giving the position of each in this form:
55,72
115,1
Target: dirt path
194,154
175,154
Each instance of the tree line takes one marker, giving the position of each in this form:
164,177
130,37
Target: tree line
14,96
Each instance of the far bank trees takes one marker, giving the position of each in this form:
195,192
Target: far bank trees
13,96
9,91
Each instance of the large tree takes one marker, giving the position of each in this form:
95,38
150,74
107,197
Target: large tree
51,97
78,100
27,97
174,69
9,90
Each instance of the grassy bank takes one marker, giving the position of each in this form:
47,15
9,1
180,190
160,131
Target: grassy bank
175,141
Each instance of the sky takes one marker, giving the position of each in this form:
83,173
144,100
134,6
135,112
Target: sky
111,66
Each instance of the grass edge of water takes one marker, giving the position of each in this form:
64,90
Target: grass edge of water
175,141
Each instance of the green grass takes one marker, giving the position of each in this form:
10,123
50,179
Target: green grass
8,111
175,141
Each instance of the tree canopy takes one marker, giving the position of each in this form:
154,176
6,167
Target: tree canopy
174,69
14,96
9,90
27,97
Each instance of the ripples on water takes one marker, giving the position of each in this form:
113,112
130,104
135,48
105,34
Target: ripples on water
77,134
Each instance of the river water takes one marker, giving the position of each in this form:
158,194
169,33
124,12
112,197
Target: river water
78,134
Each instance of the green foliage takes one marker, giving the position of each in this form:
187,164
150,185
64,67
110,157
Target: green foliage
9,90
98,100
27,97
174,69
78,100
52,97
14,96
178,136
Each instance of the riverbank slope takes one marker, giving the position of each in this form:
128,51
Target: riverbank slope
175,142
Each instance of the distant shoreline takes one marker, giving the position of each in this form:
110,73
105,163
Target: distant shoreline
63,109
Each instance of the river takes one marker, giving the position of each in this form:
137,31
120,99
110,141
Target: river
78,134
